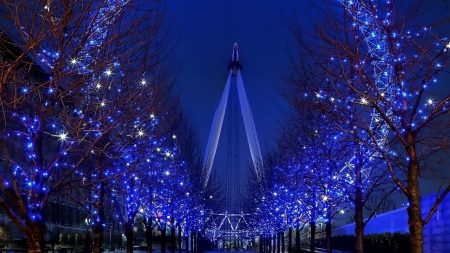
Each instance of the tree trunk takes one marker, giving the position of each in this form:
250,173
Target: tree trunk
282,242
267,243
180,238
312,243
97,231
149,237
272,244
192,242
129,234
297,240
264,243
260,243
359,222
187,242
275,242
328,234
290,241
359,205
278,242
415,221
35,240
173,243
163,239
196,242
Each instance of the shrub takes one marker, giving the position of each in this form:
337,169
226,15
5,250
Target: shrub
373,243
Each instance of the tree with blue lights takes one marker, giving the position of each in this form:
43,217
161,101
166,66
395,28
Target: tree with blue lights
77,81
333,165
312,152
321,170
261,203
158,192
377,64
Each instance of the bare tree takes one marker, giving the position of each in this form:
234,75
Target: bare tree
376,66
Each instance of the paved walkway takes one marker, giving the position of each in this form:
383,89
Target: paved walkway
318,250
304,250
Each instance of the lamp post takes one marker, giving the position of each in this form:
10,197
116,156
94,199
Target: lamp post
87,241
110,230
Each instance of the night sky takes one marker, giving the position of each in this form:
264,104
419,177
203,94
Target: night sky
207,31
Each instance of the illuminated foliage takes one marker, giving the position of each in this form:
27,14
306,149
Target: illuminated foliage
373,69
80,89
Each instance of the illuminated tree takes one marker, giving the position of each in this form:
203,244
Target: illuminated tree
375,69
322,161
160,189
258,200
133,191
77,79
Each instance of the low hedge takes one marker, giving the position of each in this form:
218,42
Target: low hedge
373,243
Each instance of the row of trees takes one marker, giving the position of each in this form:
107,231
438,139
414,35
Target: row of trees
87,111
369,116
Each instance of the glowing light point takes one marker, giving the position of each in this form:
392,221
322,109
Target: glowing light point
143,82
448,45
141,133
62,136
108,72
430,101
74,61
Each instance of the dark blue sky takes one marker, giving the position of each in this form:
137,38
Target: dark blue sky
207,31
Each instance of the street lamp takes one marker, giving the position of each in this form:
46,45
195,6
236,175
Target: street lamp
87,246
110,229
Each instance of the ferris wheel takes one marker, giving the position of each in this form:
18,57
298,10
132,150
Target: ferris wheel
365,19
